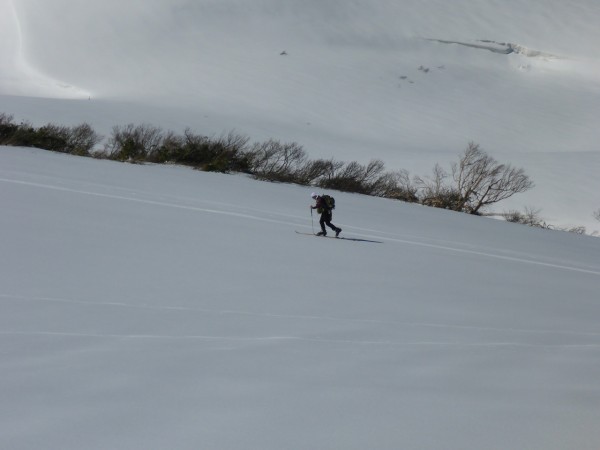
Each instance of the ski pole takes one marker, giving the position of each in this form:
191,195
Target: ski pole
312,221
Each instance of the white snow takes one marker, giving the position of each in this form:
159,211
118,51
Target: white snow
152,307
359,80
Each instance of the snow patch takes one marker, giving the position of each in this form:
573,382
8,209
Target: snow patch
17,75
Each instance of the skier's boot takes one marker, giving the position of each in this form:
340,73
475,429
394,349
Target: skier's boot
337,232
322,233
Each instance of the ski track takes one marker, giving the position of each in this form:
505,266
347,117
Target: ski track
246,339
267,315
380,235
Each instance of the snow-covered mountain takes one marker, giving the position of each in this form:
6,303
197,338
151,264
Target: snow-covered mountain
410,82
157,307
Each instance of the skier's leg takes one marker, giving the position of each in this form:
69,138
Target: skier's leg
331,225
322,223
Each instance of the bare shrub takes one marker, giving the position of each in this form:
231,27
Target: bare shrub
530,216
82,139
314,170
21,135
480,180
133,143
331,168
435,191
396,185
194,151
228,153
169,149
346,178
7,128
51,137
276,161
370,179
6,119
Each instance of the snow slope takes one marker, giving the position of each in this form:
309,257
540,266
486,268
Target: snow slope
152,307
410,82
18,76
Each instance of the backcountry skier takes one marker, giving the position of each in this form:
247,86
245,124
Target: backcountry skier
324,207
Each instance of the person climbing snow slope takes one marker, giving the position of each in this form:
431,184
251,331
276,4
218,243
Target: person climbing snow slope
324,204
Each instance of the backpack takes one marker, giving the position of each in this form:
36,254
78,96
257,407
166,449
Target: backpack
329,201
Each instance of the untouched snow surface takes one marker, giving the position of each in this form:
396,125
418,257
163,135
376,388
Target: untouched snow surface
154,307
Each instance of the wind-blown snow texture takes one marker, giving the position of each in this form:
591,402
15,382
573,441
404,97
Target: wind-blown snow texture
357,79
152,307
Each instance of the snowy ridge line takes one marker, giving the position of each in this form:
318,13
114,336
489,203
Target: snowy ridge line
300,317
294,338
282,222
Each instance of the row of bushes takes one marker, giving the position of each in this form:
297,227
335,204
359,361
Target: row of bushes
77,140
473,183
476,181
271,160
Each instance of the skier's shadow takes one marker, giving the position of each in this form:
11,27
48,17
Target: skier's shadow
360,240
342,238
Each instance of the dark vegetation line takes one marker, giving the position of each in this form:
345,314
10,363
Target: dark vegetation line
473,183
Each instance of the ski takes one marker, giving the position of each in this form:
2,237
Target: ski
317,235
